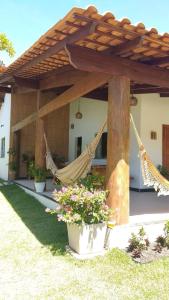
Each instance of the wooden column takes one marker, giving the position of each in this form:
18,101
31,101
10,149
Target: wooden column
39,138
118,147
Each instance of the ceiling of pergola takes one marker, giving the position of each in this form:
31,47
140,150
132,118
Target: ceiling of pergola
109,35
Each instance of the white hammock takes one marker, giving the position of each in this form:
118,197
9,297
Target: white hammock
151,176
79,167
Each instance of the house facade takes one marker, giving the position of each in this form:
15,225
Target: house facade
87,56
150,115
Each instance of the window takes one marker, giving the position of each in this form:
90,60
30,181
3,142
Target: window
3,147
101,151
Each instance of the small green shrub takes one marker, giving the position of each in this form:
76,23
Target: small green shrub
92,182
138,243
166,228
161,241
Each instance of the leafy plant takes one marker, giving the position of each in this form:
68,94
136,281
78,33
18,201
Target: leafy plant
39,173
6,45
166,228
28,160
13,166
161,241
92,182
138,243
79,205
12,160
30,170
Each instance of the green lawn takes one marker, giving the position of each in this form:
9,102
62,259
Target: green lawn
34,265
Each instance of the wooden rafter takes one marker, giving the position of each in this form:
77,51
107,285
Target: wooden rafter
125,47
79,34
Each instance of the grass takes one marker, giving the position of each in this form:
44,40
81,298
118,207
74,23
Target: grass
34,265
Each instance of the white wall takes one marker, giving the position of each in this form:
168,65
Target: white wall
135,169
94,114
5,132
154,113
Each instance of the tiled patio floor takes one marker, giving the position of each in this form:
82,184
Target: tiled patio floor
140,202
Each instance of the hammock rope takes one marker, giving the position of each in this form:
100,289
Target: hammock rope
151,176
79,167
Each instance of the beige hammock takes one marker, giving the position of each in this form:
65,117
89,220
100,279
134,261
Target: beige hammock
151,176
79,167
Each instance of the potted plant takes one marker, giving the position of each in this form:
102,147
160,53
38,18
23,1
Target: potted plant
39,175
86,215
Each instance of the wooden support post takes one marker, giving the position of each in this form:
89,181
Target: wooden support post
118,147
39,138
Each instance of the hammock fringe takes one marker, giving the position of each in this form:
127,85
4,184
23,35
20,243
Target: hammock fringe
151,176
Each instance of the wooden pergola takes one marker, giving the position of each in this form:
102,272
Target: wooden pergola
100,57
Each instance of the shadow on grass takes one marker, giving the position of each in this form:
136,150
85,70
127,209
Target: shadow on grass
44,226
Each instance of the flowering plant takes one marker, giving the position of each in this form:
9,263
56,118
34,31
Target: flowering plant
79,205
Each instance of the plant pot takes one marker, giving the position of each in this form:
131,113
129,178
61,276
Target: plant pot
87,239
39,186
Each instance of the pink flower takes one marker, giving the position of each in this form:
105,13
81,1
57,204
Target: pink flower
73,197
64,189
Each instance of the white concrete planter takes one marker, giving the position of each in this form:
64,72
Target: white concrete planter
87,239
40,186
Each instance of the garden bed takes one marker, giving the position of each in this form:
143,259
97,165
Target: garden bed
150,254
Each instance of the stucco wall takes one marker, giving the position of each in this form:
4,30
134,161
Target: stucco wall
4,132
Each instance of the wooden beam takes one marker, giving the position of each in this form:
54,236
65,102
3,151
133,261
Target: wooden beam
83,86
159,61
74,37
164,95
149,90
118,147
125,47
93,61
28,120
39,137
27,83
5,89
63,79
